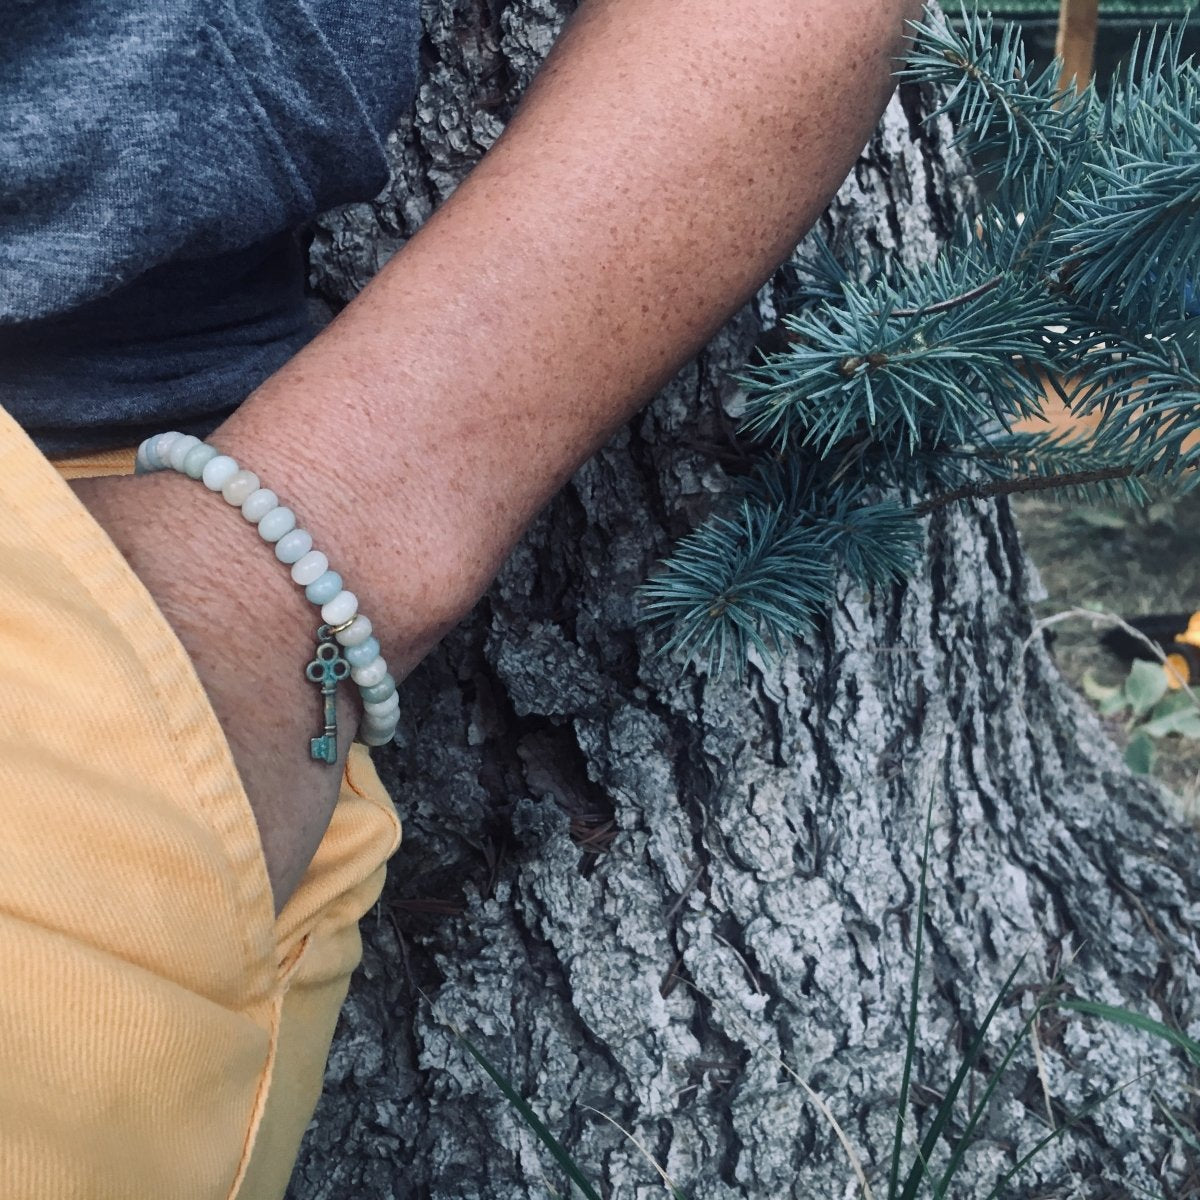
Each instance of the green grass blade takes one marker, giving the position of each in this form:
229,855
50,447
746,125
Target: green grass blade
945,1109
1146,1192
564,1160
964,1143
910,1047
1186,1135
1124,1016
1086,1111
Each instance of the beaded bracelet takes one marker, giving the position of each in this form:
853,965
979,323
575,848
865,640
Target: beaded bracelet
343,625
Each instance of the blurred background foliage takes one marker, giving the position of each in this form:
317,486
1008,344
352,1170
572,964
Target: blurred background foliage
1129,561
1120,22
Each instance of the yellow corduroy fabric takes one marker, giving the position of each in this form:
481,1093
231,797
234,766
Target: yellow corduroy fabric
162,1033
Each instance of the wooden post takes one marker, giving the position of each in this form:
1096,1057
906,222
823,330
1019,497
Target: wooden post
1076,44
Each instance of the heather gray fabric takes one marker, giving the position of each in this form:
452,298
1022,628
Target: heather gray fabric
156,159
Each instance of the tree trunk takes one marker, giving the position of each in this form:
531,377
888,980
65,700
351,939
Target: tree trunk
635,889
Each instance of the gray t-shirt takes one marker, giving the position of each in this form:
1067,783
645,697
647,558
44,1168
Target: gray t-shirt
156,160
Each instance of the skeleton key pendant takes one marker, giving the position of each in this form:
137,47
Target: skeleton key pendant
327,669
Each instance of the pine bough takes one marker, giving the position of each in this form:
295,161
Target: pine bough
899,391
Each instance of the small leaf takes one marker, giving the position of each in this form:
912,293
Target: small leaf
1189,725
1093,689
1145,687
1161,726
1139,754
1174,702
1185,722
1114,704
1174,713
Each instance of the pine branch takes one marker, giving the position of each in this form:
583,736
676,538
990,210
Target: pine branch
953,301
908,383
746,580
868,368
992,96
1148,398
1134,233
1009,487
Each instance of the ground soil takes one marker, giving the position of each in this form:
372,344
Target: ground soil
1130,562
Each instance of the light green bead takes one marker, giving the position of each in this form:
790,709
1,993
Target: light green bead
198,458
180,449
239,487
260,502
276,523
324,588
292,547
379,691
370,673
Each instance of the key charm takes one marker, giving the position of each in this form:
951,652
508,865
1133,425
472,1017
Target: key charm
327,669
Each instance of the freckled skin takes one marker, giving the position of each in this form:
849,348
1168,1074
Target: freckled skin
667,157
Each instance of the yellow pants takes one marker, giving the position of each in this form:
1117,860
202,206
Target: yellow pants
162,1034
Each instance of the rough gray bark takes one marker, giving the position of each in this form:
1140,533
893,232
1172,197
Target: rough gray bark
586,829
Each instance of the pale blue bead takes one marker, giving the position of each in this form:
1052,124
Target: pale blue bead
198,458
260,502
373,737
180,449
276,523
379,691
219,471
292,547
377,710
143,462
324,588
362,653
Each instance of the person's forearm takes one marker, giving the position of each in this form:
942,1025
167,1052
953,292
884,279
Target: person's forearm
667,157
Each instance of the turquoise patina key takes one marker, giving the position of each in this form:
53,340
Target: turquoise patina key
327,669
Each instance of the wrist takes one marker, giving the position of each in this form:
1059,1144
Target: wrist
415,562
